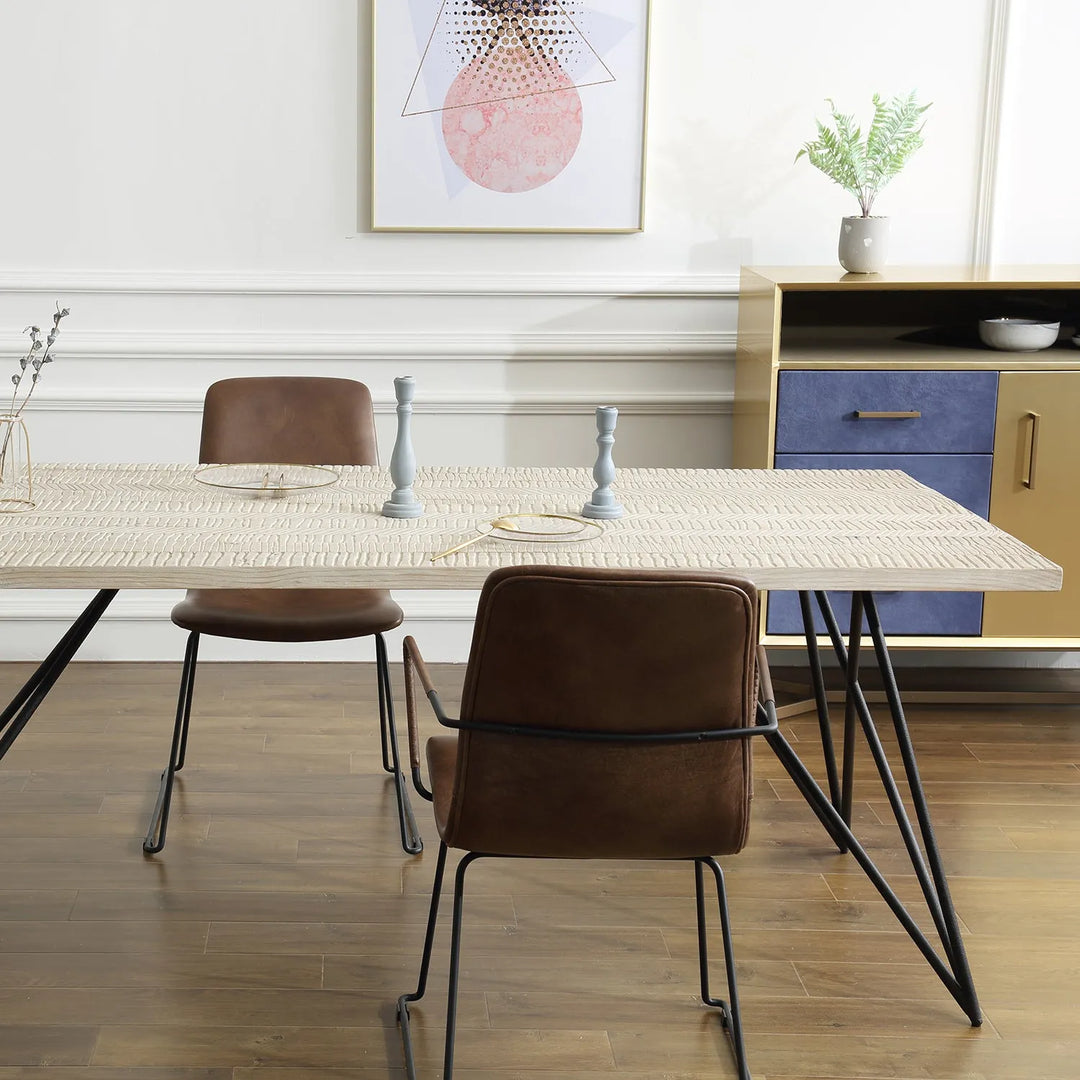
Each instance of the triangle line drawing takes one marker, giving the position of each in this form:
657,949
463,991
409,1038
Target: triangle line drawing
599,58
510,97
423,58
405,111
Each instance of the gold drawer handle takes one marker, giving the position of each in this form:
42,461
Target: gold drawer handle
867,414
1033,450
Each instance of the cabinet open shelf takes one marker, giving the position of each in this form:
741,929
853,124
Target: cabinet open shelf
908,347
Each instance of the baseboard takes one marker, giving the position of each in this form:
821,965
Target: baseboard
137,627
935,686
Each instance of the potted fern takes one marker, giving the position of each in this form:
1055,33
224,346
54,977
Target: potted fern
863,167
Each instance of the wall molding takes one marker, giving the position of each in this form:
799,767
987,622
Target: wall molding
415,345
272,283
470,404
982,246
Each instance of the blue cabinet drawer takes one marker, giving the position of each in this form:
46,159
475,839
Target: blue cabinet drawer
935,614
965,478
816,412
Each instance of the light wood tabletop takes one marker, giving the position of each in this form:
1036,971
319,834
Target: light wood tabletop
155,526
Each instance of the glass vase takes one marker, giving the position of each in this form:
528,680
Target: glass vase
16,473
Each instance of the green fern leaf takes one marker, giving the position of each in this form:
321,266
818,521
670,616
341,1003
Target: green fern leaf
864,166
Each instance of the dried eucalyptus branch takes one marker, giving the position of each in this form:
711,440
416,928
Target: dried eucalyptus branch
35,362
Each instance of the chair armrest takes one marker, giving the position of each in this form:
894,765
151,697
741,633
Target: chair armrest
414,665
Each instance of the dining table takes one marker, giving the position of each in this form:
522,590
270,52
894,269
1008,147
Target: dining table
160,526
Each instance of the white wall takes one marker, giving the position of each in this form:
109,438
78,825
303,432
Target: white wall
191,179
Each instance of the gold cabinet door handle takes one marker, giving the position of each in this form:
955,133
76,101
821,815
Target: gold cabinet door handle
869,414
1032,450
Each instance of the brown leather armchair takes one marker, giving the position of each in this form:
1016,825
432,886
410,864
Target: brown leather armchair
302,421
606,714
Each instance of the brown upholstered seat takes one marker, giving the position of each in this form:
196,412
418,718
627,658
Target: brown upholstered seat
286,420
606,714
287,614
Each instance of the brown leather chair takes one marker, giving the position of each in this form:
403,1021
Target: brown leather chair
605,715
302,421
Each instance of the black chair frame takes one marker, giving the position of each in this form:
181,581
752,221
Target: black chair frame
159,820
767,724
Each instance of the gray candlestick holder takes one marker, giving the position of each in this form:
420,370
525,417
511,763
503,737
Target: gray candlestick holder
603,503
402,502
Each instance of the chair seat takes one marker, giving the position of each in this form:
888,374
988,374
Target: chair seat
287,614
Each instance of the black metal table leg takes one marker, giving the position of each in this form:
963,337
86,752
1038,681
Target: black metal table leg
857,706
950,932
34,691
820,700
953,969
851,683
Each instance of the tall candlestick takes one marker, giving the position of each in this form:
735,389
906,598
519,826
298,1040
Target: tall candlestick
402,502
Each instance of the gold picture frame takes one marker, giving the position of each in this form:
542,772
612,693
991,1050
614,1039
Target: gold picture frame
509,115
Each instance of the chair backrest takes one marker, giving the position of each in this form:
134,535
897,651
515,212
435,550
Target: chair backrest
607,651
294,420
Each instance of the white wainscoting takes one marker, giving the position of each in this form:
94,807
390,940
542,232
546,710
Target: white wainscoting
137,627
509,370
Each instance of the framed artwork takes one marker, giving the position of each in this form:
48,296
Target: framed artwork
509,115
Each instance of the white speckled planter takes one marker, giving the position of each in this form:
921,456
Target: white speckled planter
864,244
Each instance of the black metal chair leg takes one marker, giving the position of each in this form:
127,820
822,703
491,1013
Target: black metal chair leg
729,1010
455,965
159,820
425,963
411,842
186,692
382,679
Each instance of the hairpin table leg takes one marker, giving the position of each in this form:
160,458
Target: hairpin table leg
34,691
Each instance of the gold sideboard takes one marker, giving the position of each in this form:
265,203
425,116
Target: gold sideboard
924,319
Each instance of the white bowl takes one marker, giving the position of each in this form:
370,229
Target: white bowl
1018,335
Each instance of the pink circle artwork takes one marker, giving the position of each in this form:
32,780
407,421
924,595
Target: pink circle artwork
509,123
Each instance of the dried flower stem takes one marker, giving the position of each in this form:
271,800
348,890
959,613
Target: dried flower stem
35,363
32,360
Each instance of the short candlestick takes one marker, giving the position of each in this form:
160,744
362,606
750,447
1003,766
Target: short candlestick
603,503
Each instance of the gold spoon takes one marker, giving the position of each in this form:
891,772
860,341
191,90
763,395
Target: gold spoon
497,523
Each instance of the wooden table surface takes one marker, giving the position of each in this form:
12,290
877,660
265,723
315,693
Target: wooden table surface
154,526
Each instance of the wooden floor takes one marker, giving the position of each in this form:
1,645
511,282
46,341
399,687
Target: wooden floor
271,937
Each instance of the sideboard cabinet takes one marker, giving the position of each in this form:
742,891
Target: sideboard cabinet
886,371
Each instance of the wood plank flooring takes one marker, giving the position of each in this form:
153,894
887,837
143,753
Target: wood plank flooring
272,936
